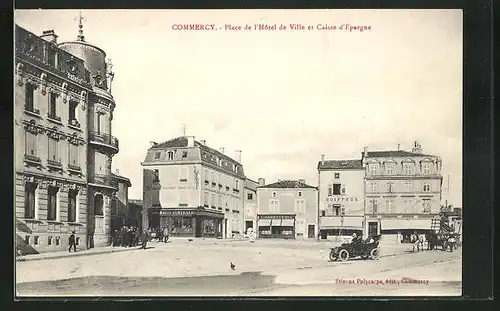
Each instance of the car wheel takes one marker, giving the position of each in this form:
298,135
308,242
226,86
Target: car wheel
375,253
344,255
332,256
365,256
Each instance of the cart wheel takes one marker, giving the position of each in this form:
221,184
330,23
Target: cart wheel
344,255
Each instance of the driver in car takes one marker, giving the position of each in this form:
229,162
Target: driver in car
355,238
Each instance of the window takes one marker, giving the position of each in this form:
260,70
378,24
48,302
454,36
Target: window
52,105
183,198
237,185
49,241
98,206
183,174
337,175
250,196
336,209
389,169
74,158
408,168
29,103
205,198
426,168
170,155
408,206
300,206
373,187
29,200
274,194
157,155
427,187
36,240
372,169
98,122
58,240
343,189
156,176
330,190
220,201
389,205
184,154
390,187
274,206
426,206
52,203
53,156
336,189
213,203
408,186
72,196
30,144
27,240
300,193
323,213
372,206
72,112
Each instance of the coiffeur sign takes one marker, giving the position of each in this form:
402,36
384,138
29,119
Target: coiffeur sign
342,199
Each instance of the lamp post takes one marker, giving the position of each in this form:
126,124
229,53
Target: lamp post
342,213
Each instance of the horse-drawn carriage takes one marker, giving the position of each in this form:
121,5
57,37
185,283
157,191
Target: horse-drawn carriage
444,236
359,248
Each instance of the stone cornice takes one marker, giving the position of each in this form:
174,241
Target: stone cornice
32,127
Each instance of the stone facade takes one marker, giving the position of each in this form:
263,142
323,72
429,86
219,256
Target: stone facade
250,197
192,189
62,154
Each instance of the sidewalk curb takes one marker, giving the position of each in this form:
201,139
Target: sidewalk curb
78,254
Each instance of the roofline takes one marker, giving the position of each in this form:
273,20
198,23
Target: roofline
126,179
83,43
266,187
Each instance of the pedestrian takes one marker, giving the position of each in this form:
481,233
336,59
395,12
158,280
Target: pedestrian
130,234
125,236
165,235
72,242
145,238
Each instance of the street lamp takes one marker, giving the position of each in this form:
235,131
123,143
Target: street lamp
342,214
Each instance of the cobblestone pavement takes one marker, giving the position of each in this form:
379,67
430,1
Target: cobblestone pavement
262,268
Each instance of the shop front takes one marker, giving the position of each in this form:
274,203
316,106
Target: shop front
276,226
188,222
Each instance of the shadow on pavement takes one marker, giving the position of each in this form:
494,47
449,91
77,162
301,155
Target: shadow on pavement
112,286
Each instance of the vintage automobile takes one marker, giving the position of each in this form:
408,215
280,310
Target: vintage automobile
368,248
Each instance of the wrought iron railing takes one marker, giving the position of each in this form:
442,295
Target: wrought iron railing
104,138
54,163
32,158
75,168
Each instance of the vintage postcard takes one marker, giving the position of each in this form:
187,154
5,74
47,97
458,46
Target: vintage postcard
238,152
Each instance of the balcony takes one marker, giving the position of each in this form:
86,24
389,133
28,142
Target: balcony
105,181
54,118
74,168
55,165
33,160
104,140
32,111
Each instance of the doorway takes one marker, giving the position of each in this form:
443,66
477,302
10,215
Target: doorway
198,228
225,228
310,231
372,228
248,224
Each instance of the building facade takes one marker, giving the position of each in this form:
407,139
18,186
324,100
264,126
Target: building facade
62,150
287,209
250,197
135,213
341,197
192,189
403,191
119,203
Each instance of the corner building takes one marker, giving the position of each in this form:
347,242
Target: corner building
63,144
192,189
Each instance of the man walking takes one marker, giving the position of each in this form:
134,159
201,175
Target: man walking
145,238
72,242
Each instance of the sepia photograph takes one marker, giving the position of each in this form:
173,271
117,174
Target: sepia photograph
242,153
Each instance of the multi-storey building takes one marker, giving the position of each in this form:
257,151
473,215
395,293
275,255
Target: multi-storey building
403,191
287,209
192,189
119,203
341,197
250,197
63,112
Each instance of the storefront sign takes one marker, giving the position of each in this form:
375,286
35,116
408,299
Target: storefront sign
276,216
342,199
176,213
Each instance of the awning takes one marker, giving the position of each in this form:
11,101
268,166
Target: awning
406,224
287,223
264,222
335,222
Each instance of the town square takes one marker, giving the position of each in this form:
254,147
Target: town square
154,158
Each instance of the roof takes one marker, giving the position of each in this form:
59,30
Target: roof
251,184
288,184
396,153
122,178
341,164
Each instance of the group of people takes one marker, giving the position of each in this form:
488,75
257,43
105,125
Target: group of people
130,236
159,234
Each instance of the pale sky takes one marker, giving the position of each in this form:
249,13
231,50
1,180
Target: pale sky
282,97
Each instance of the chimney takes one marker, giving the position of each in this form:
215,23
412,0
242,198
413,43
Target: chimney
417,148
221,150
365,152
238,155
117,171
204,142
322,159
262,182
49,36
302,181
190,141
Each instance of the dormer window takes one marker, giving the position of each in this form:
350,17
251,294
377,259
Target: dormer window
170,155
408,168
372,169
157,155
389,169
184,154
426,168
